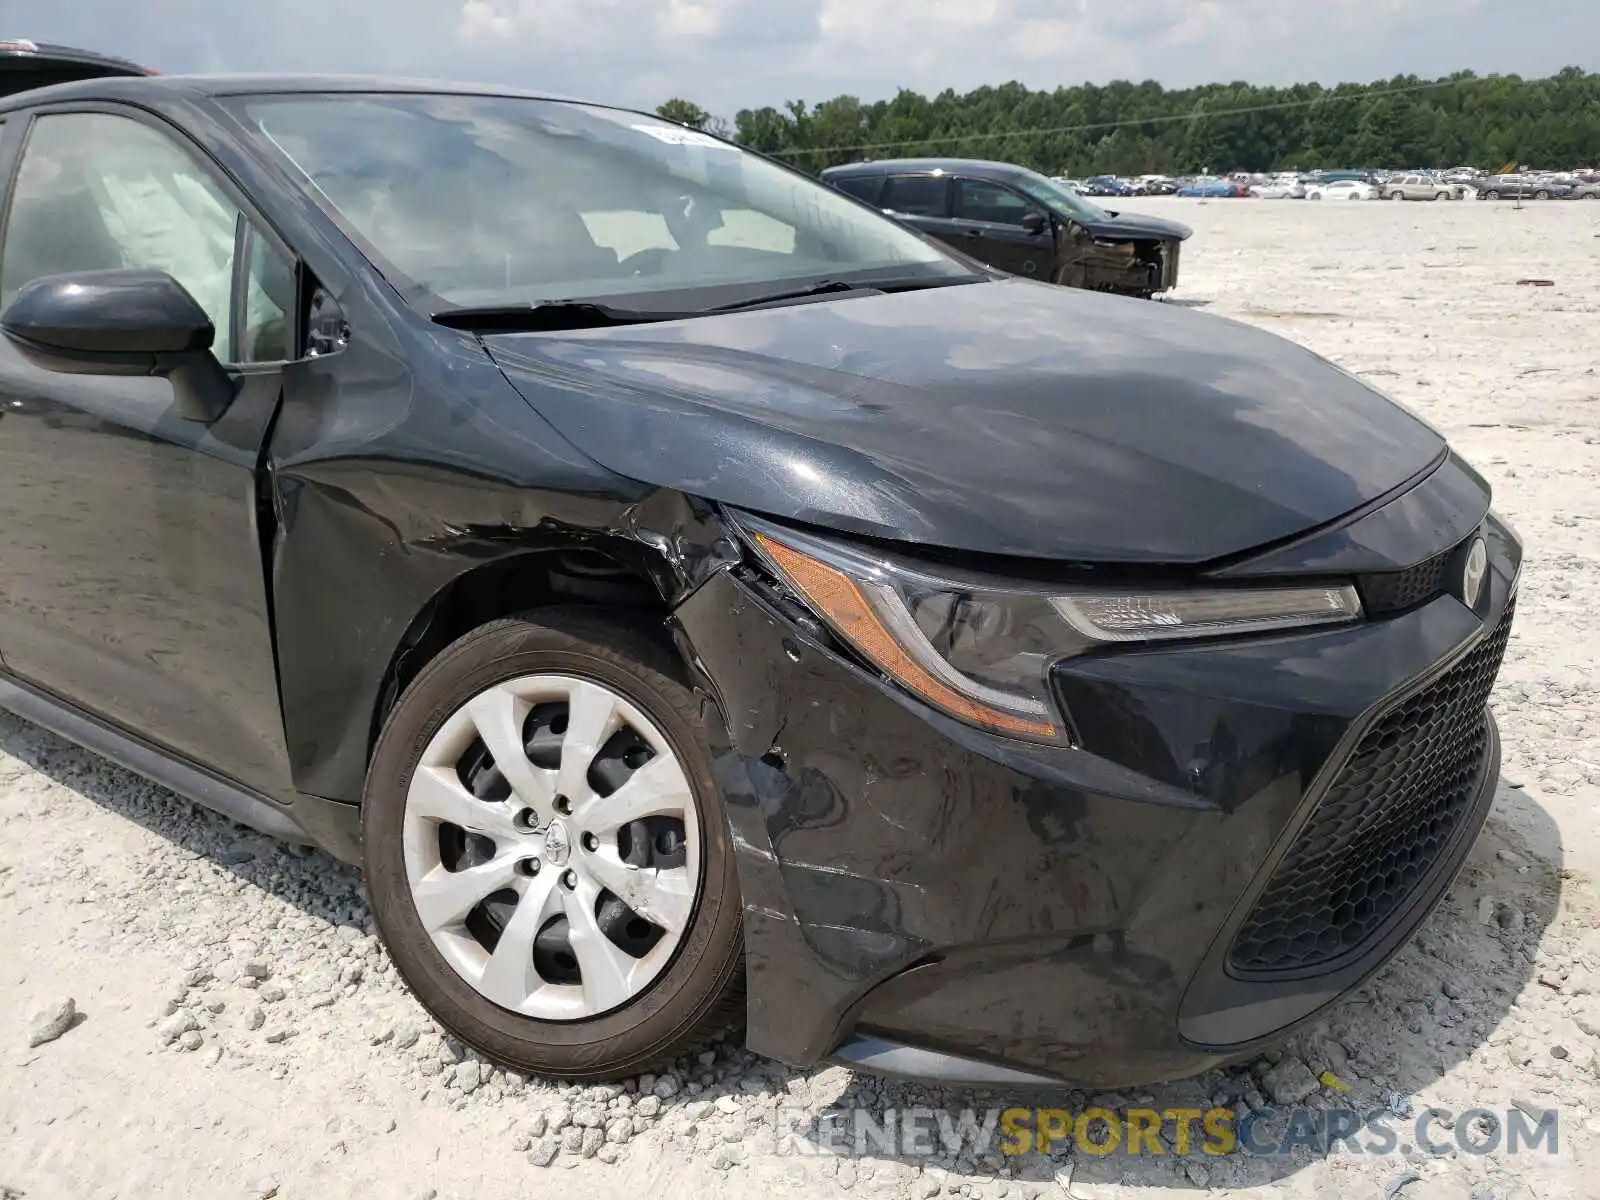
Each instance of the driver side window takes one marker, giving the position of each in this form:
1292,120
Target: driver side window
980,200
99,192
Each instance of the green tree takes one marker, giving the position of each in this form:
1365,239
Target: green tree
1130,128
684,112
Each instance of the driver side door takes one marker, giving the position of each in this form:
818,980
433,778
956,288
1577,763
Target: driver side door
989,218
132,582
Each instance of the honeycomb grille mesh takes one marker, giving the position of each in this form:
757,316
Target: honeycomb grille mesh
1393,591
1382,825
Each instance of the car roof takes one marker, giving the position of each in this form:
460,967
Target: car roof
211,86
977,168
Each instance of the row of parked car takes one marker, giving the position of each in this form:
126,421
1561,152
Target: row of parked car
1462,183
1111,185
1428,185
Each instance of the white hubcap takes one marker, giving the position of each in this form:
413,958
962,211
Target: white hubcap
552,847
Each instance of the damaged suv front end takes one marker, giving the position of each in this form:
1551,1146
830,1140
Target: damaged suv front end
1109,258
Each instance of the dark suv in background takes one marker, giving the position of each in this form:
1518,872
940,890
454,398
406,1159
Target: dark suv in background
1022,222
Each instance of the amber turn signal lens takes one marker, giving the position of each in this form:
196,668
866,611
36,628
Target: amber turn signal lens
840,601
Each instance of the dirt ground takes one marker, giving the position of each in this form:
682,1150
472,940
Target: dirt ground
241,1033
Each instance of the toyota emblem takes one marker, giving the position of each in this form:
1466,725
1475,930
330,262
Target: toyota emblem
1473,573
557,844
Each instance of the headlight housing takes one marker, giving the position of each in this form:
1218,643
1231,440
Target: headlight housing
980,649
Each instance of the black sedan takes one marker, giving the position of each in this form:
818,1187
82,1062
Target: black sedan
1022,222
699,601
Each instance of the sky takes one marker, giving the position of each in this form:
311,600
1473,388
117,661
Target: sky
732,54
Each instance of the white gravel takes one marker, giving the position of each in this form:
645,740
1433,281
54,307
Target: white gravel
223,1022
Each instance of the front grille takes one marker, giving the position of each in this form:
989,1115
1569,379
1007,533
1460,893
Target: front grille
1380,829
1394,591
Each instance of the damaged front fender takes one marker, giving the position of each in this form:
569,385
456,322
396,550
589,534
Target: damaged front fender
400,477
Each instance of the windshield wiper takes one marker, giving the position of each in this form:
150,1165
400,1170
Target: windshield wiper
823,287
831,287
587,314
546,315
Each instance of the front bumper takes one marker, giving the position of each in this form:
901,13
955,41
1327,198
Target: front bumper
924,898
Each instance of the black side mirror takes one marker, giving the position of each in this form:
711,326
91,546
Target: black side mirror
131,322
1034,223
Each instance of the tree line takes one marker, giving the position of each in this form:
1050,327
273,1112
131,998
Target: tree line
1128,128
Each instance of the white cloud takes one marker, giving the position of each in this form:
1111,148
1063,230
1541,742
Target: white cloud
728,54
482,21
593,25
882,24
685,19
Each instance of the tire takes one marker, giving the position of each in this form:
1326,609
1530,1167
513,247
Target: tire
1541,194
694,987
1491,195
1441,195
1397,196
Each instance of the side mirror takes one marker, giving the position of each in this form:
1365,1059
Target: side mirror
1034,223
131,322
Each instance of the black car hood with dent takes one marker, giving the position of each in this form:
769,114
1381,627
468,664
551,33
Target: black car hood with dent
1136,225
1005,417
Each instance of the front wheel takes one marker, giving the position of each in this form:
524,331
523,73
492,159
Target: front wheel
1398,196
546,851
1491,195
1541,194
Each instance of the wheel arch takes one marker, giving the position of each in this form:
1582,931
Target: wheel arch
363,602
665,548
566,575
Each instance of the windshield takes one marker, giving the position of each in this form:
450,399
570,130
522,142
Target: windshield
480,201
1063,199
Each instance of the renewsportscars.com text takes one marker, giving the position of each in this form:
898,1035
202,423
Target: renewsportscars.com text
922,1132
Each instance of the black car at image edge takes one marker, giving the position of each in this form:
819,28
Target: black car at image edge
697,600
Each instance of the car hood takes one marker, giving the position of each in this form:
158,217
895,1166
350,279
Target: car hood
1007,417
1125,224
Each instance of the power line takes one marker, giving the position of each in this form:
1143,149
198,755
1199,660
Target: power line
1330,98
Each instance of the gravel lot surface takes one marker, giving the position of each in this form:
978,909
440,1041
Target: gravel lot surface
187,1009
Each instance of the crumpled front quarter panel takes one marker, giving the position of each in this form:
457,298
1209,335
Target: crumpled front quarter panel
398,465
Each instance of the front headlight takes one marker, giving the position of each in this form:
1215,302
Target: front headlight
980,649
